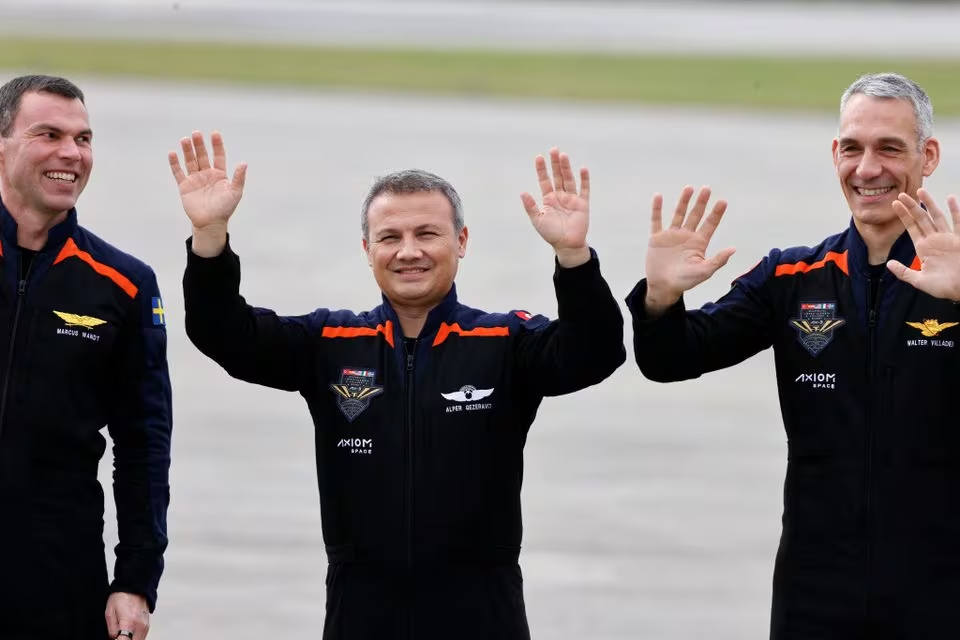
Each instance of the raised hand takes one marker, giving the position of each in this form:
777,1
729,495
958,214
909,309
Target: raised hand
207,195
676,256
565,215
938,247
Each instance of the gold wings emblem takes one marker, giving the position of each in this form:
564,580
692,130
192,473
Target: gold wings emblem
826,327
74,320
931,327
357,394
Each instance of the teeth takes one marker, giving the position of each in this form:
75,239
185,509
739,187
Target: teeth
62,176
875,192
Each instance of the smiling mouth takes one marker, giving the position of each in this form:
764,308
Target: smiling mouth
863,191
411,270
63,177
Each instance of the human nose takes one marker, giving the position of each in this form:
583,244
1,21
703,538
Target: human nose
869,166
409,248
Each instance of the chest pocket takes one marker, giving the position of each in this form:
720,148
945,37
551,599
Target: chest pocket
72,347
466,406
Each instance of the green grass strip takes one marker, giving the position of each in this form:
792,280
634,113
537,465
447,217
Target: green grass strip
769,82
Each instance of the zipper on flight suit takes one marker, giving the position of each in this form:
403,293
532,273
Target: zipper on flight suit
872,322
21,294
410,350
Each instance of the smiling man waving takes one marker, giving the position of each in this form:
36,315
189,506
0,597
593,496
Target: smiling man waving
422,404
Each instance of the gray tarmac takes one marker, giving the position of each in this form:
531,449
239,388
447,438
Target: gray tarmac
651,511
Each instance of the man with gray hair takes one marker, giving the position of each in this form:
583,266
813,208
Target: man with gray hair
865,331
422,405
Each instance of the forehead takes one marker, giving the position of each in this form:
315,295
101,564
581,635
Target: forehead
408,210
38,109
868,117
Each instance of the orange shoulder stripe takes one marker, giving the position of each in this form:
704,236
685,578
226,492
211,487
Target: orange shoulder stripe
71,250
839,259
356,332
446,329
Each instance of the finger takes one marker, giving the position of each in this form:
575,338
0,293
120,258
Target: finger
130,624
546,186
921,219
719,260
530,205
954,213
681,211
909,220
699,207
566,171
904,273
175,167
585,184
656,214
240,176
555,168
219,152
934,213
113,624
712,221
189,157
203,160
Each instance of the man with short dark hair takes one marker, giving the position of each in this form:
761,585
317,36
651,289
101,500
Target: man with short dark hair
863,329
83,346
421,405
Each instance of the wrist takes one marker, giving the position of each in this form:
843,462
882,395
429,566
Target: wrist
569,257
208,241
659,300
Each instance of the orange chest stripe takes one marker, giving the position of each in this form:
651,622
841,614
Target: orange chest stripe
446,329
71,250
839,259
356,332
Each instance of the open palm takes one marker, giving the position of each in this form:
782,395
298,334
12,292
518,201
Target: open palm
564,218
937,246
207,196
677,256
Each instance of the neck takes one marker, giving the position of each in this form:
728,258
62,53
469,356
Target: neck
879,239
32,225
411,319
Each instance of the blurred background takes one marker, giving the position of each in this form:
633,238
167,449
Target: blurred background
651,511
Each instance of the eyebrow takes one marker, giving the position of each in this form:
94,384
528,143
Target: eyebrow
422,227
885,140
54,129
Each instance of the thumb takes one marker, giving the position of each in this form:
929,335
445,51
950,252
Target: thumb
903,272
240,176
530,205
720,259
113,623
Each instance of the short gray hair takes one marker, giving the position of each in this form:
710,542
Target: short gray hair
412,181
895,86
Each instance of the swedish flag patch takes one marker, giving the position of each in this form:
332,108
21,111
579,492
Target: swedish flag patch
158,314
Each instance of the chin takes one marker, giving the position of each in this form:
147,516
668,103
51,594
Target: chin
61,205
875,216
